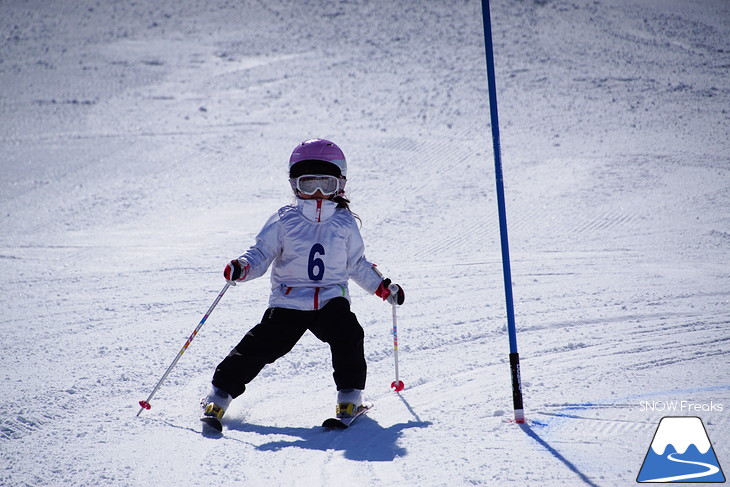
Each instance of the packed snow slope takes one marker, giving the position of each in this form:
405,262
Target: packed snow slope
143,145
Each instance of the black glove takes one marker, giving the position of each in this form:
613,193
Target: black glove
392,293
234,271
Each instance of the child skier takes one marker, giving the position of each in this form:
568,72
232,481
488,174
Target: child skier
314,246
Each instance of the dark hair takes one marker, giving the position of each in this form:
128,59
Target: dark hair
344,203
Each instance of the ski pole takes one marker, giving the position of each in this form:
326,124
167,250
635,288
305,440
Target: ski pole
397,385
146,403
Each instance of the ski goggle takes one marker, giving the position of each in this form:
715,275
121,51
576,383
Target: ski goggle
310,183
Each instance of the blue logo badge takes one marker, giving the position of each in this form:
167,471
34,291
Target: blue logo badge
681,452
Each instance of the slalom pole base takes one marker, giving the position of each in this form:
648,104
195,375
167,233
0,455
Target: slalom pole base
520,416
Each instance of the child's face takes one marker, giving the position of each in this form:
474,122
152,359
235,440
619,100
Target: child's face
316,196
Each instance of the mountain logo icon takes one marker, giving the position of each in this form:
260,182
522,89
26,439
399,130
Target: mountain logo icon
681,452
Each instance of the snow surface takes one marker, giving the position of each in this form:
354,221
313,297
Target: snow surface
145,143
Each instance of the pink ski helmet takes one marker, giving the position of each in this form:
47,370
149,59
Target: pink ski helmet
317,156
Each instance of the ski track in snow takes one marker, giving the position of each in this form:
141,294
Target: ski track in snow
144,146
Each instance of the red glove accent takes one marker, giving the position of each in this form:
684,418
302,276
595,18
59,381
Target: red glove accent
383,291
234,271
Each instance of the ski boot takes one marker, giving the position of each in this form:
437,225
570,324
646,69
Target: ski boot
214,406
350,406
349,403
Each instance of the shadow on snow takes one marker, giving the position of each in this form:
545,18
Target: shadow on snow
365,441
571,466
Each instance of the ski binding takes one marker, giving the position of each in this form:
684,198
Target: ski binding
345,422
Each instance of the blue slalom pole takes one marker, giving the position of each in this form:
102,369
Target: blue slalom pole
514,356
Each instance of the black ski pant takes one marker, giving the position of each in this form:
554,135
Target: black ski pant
277,333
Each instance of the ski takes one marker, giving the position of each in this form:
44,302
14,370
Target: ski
344,423
211,423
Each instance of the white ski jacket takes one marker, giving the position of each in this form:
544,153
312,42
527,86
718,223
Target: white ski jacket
315,249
